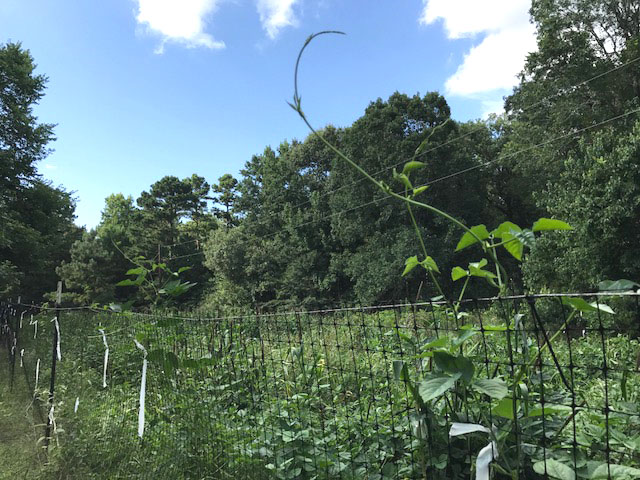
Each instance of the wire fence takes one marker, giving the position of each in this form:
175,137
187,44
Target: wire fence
518,387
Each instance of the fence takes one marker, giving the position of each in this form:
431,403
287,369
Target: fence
541,386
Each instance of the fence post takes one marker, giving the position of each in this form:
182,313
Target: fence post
14,349
54,359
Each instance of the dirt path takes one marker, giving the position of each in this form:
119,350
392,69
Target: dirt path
20,456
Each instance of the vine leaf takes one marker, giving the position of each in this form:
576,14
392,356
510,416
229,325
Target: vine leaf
550,224
554,469
435,385
480,232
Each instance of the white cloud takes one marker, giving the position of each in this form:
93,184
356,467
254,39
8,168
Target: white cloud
494,63
50,166
276,14
181,21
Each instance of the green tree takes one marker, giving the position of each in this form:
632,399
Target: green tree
226,190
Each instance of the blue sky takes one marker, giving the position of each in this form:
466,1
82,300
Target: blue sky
140,89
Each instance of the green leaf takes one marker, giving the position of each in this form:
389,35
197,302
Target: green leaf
184,269
513,245
436,385
430,265
504,408
582,305
136,271
455,365
156,356
409,264
418,190
618,472
125,283
617,285
549,410
464,336
475,269
494,387
412,165
505,227
438,342
468,239
457,273
554,469
550,224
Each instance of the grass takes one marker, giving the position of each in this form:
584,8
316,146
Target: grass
20,427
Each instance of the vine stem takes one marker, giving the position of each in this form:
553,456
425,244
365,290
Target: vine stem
297,106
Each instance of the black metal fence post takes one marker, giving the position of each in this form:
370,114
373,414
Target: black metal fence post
54,361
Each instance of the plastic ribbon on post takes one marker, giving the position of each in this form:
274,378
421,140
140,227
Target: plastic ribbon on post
55,319
21,355
486,455
35,327
106,358
75,407
143,388
21,317
35,389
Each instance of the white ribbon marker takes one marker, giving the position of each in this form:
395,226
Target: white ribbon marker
486,455
143,389
52,420
106,358
21,355
55,319
21,317
35,327
37,375
75,408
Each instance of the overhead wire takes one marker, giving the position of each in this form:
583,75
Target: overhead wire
559,92
466,170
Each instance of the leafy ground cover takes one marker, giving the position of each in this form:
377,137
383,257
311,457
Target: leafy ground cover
393,393
20,428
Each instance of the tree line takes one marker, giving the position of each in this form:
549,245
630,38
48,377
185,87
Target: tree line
298,228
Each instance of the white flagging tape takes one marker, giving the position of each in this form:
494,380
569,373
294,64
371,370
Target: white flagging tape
58,337
143,389
75,407
52,420
37,375
21,355
486,455
21,317
106,358
35,327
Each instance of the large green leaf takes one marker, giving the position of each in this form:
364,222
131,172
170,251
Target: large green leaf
554,469
617,285
582,305
505,227
513,245
550,224
468,239
435,385
451,364
504,408
494,387
618,472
